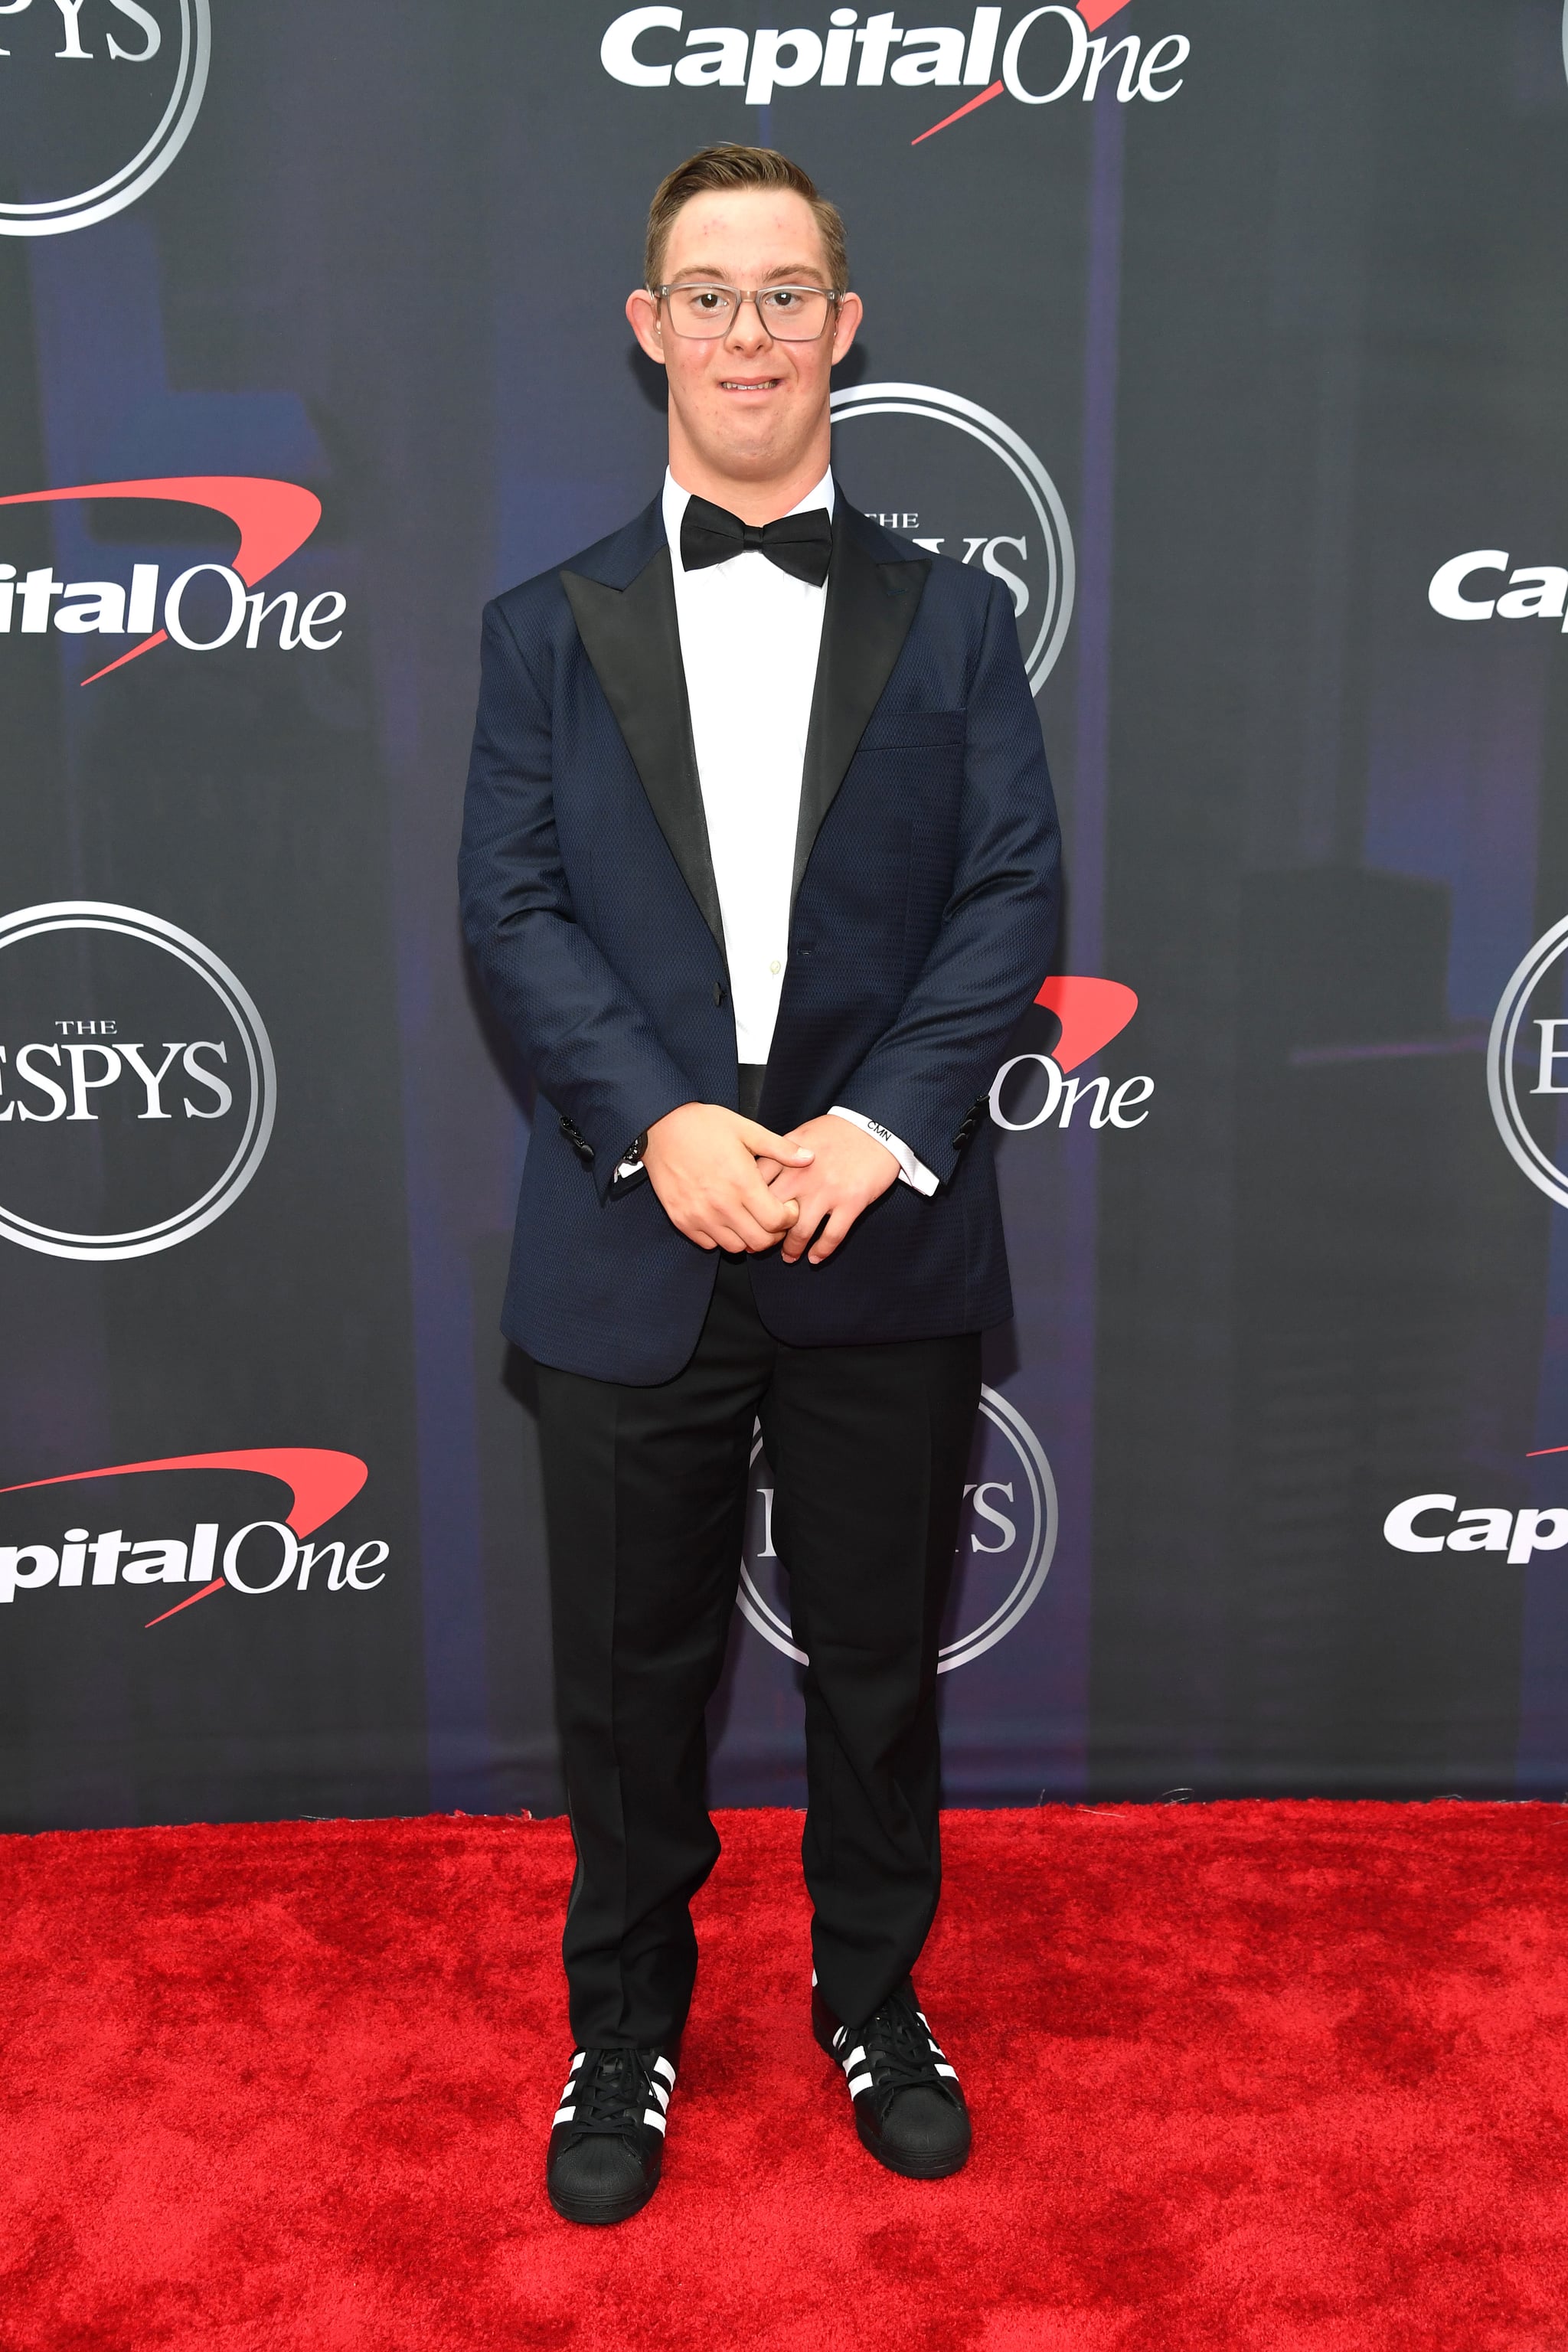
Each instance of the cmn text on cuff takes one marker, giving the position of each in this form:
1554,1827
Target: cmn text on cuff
911,1170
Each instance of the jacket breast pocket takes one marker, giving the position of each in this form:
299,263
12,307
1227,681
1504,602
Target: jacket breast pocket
915,730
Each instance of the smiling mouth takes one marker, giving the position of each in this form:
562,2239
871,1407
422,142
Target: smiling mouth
749,384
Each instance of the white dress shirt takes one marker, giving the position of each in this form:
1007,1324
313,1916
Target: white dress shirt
750,637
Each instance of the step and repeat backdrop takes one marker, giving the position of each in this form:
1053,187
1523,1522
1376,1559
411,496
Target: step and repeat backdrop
1229,335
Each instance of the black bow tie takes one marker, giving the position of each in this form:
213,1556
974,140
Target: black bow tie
799,544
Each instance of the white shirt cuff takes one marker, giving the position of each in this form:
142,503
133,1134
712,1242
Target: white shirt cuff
911,1170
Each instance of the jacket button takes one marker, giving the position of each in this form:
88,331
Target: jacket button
717,993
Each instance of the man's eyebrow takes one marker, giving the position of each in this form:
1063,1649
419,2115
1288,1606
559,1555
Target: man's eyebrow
789,273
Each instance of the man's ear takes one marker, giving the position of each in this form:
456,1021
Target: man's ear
851,310
642,314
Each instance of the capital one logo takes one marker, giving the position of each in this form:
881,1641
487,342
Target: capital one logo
1527,1062
97,99
1007,1538
948,474
1091,1012
260,1557
205,606
1416,1524
1046,55
137,1085
1482,586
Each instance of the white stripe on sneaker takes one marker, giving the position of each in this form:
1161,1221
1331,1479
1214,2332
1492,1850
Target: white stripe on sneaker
562,2116
660,2093
652,2115
951,2072
662,2067
859,2082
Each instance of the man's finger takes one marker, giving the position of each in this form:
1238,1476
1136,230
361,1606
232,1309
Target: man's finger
799,1241
774,1210
762,1139
754,1237
779,1216
832,1233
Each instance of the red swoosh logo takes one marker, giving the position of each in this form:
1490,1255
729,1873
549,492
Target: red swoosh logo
983,99
274,519
1094,13
1091,1012
320,1482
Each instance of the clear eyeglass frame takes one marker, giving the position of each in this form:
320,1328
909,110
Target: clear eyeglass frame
779,323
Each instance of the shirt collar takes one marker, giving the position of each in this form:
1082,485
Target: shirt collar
676,498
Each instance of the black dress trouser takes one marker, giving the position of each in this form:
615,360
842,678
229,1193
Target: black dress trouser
646,1495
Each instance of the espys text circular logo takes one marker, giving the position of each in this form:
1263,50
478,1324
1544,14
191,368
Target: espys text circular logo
79,146
137,1087
1527,1062
976,492
1007,1539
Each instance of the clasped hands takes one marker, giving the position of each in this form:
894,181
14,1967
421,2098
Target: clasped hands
726,1183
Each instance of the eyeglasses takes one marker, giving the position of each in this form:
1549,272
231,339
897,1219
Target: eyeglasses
791,314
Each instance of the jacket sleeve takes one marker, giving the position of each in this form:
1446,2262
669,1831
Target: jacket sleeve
927,1074
592,1049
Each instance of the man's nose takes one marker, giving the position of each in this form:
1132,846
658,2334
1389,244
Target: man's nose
748,331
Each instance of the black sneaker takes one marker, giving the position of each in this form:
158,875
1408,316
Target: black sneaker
607,2142
909,2109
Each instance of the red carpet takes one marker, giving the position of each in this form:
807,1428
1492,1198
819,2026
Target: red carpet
1269,2078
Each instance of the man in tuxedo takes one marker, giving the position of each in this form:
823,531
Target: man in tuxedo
760,869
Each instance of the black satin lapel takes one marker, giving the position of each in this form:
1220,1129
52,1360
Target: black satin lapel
871,607
632,637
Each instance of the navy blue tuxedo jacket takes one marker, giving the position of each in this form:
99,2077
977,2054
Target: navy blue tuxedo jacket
923,917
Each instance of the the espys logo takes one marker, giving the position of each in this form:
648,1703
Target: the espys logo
263,1557
934,488
1007,1538
87,143
1037,66
1534,592
1527,1064
204,606
1091,1012
137,1087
